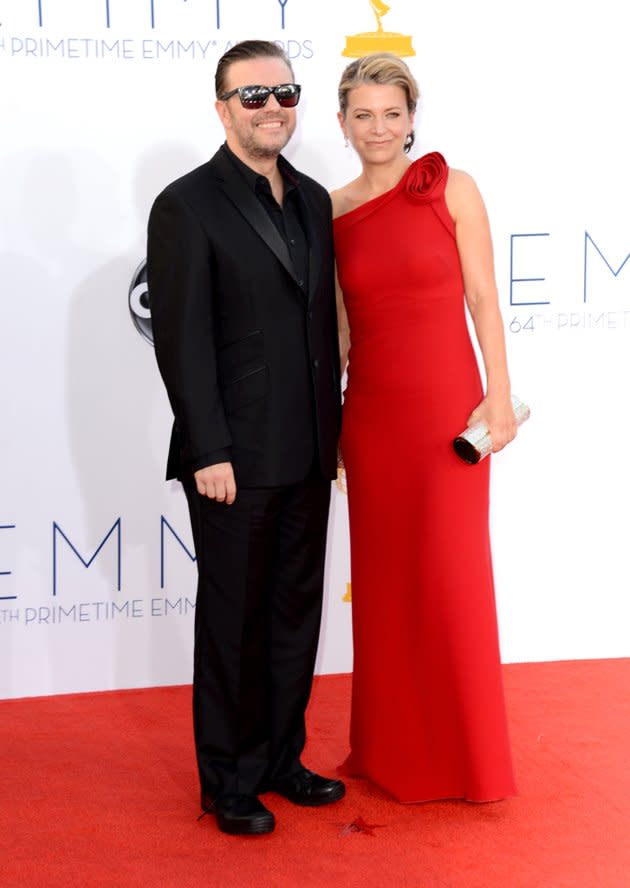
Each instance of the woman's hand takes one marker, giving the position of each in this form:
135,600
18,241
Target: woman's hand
498,415
340,462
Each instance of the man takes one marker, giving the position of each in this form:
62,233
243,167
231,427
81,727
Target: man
241,283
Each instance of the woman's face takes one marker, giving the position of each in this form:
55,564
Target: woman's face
377,122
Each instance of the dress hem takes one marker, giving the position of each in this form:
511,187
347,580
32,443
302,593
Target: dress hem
347,771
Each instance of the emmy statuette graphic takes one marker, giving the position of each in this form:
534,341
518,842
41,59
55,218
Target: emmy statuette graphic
378,41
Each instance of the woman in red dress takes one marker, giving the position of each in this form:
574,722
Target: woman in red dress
413,246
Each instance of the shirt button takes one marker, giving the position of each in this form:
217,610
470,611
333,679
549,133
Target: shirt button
315,363
292,242
310,316
300,283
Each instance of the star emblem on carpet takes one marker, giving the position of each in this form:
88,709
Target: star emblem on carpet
359,825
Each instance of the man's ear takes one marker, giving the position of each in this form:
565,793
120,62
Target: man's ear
224,114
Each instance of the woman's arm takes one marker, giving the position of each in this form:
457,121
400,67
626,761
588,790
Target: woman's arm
339,207
344,327
474,244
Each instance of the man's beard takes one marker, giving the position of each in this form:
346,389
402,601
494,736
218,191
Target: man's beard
260,150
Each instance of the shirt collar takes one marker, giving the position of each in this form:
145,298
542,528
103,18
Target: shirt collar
257,181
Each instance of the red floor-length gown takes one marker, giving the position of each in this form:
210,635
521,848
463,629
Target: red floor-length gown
428,711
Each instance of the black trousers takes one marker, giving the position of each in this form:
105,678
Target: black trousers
259,601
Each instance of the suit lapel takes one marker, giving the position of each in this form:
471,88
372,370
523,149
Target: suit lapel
252,210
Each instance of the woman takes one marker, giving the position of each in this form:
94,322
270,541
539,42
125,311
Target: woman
428,713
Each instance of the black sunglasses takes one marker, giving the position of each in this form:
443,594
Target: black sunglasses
287,95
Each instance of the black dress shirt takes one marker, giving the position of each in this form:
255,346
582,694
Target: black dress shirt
287,218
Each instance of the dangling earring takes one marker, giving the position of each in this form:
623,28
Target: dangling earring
411,138
345,141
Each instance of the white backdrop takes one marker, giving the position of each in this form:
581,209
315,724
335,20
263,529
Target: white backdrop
101,104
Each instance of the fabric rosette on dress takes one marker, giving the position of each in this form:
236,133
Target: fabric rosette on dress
425,180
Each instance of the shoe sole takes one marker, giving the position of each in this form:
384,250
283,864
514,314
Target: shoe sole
252,829
257,828
334,796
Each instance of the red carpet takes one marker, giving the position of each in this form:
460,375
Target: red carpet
100,790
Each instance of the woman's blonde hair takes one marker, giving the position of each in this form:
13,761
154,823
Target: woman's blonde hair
381,68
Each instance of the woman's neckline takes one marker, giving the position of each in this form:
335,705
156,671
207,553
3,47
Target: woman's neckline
378,197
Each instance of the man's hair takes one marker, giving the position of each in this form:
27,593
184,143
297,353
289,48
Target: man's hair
241,52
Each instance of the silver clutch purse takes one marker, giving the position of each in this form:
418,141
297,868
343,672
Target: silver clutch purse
475,443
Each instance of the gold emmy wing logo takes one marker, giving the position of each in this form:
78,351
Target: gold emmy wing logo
379,40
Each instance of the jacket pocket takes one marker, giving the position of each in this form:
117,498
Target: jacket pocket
238,356
243,338
245,389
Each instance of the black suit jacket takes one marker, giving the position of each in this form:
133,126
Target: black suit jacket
249,358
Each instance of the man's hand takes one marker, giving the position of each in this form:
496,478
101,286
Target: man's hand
217,482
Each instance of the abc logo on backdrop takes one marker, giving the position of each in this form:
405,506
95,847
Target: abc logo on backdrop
139,304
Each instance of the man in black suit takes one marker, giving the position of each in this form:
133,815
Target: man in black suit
241,284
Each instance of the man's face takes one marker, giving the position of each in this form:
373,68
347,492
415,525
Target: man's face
261,133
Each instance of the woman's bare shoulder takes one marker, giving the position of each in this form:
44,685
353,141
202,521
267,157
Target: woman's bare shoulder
462,193
460,181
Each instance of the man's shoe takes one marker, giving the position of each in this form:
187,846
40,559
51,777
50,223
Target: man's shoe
307,788
240,815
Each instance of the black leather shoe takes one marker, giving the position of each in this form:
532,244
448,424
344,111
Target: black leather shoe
306,788
239,815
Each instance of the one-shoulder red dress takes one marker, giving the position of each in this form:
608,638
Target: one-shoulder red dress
428,712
